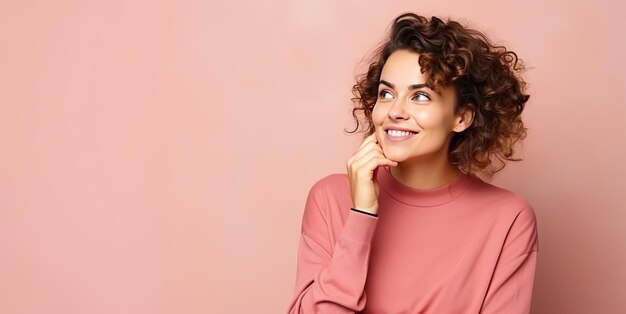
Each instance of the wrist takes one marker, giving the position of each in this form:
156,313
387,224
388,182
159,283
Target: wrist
367,211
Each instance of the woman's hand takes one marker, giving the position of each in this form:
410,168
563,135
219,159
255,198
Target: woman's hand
362,169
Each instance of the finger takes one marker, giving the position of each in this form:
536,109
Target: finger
369,138
377,156
366,153
360,160
379,161
362,148
365,149
370,166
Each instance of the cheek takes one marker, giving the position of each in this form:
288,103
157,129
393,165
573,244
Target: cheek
428,119
377,116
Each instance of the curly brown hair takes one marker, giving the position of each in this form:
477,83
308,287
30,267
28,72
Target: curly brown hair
485,77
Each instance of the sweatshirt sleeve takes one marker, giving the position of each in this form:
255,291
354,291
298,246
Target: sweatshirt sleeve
331,278
511,287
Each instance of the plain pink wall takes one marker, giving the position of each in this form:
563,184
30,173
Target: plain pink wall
155,156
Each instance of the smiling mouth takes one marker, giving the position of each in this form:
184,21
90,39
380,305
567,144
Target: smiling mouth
399,133
396,136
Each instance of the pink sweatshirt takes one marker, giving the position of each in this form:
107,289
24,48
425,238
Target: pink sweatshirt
465,247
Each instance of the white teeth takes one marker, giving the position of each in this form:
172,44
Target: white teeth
398,133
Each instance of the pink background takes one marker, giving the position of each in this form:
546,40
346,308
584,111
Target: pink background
155,156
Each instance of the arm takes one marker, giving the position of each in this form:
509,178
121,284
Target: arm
331,280
510,290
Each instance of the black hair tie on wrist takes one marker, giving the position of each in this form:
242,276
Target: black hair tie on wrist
364,212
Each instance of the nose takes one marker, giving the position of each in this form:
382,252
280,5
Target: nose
398,110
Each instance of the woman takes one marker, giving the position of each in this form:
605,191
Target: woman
411,227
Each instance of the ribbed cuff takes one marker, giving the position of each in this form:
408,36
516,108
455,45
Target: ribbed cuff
359,227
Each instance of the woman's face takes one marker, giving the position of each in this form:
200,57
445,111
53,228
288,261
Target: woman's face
405,103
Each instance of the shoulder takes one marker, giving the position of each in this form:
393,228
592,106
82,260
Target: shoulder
332,195
503,200
330,184
508,211
328,204
513,213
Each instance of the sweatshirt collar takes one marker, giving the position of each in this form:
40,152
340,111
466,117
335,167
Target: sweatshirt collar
422,197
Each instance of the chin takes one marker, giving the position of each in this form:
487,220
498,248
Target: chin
398,157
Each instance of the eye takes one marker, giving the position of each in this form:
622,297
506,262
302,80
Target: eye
383,92
423,95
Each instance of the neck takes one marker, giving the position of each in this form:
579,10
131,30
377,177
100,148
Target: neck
427,172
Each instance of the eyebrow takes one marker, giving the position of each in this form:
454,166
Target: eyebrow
414,86
411,87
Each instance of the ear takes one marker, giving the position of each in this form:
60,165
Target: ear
464,119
